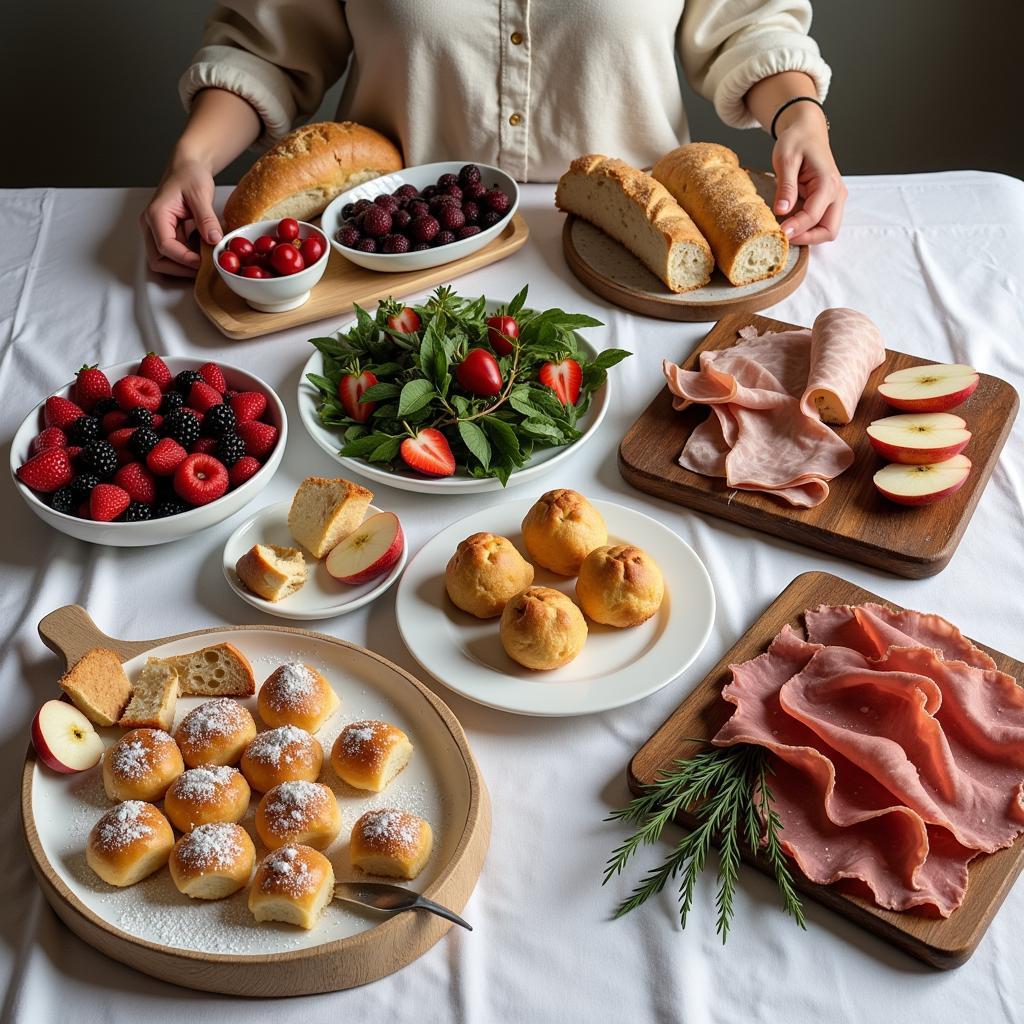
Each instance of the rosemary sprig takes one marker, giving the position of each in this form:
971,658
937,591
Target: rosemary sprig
727,789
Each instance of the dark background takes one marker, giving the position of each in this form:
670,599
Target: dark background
90,89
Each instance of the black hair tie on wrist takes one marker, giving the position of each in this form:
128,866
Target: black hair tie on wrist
789,103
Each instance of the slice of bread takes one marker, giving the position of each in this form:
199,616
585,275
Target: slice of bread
324,512
98,686
154,697
218,671
272,572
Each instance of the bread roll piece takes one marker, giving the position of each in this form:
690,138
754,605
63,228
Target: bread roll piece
485,571
298,812
326,511
542,629
215,733
154,698
129,843
218,671
307,169
369,754
561,529
708,182
620,585
141,765
211,792
293,885
98,686
392,843
281,755
634,209
272,572
212,861
296,694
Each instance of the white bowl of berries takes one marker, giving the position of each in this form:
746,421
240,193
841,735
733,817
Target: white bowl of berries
421,217
146,453
272,264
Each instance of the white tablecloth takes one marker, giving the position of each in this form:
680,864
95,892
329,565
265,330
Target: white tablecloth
938,262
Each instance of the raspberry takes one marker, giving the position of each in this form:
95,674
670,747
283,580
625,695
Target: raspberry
172,400
471,211
348,235
120,438
453,192
155,369
63,500
214,376
132,390
219,420
468,174
137,481
107,502
394,244
100,458
139,417
489,218
182,426
474,190
230,448
184,381
84,430
143,441
243,469
206,445
83,484
165,457
400,219
444,238
249,405
496,200
440,201
424,229
200,479
447,179
169,507
451,217
137,512
376,222
386,202
406,192
468,231
366,245
259,438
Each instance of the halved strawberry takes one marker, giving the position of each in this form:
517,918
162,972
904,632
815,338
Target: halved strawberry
351,388
405,320
59,412
564,378
428,453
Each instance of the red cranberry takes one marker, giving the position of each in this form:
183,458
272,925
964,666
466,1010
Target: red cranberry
287,229
406,192
451,217
447,179
264,245
348,235
376,222
240,246
394,244
468,174
424,228
367,245
471,211
229,261
468,231
444,238
497,201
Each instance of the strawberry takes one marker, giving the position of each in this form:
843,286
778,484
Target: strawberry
137,481
259,438
243,469
165,457
205,446
563,378
202,397
51,437
107,502
248,405
48,471
133,391
59,412
200,479
214,376
405,320
155,369
91,386
119,438
428,453
350,390
113,420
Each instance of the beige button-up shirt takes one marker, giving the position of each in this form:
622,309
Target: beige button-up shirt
524,84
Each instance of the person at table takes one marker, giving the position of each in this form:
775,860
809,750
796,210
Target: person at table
527,86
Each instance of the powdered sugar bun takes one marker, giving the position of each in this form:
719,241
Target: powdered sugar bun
391,842
296,694
281,755
216,732
369,754
212,861
141,765
129,843
210,792
292,884
298,812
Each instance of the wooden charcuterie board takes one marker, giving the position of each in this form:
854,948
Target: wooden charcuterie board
941,943
855,521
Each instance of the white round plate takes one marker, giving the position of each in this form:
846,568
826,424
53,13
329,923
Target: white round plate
461,483
616,666
322,596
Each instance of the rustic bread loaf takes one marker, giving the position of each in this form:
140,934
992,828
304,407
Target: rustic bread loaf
637,211
307,169
707,181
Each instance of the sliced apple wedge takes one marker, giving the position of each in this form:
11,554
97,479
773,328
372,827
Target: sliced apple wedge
369,551
935,388
919,438
922,484
65,739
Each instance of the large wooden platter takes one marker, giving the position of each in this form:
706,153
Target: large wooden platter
941,943
855,522
216,946
342,286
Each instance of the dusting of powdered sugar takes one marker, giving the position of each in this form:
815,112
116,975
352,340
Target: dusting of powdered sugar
293,684
215,718
280,746
211,846
202,784
131,758
122,826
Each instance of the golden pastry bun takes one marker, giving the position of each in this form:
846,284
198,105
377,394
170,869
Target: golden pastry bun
484,573
285,754
141,765
369,754
296,694
561,529
620,585
129,843
542,629
298,812
216,732
211,792
292,884
212,861
392,843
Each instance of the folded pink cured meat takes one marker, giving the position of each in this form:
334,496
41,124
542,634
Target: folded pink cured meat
769,394
898,751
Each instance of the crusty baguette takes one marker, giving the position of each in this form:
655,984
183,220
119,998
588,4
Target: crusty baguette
324,512
307,169
154,697
708,182
218,671
637,211
98,686
272,572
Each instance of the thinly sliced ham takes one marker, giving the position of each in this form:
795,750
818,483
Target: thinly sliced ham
766,392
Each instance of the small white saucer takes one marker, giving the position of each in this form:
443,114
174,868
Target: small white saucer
322,596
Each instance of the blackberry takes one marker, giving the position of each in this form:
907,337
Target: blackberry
143,440
137,512
140,417
184,381
489,218
169,507
172,400
103,406
63,500
101,458
182,426
83,484
84,430
230,448
219,420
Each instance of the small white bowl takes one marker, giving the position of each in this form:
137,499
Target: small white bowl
272,294
420,177
155,531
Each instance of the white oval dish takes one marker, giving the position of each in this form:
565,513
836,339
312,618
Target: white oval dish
322,596
461,483
155,531
616,666
420,177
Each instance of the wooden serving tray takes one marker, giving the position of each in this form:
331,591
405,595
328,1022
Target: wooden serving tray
342,286
855,521
356,959
941,943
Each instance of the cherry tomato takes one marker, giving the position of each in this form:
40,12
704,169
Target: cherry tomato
264,245
478,373
229,261
312,249
240,246
286,259
254,271
499,330
287,229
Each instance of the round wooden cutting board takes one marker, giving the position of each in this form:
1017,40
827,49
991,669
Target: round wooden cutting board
217,946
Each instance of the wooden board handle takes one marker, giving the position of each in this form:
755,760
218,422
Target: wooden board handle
69,632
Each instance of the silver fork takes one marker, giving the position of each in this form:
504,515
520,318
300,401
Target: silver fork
392,899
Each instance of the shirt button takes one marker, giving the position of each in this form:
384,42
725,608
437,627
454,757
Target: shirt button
517,38
515,119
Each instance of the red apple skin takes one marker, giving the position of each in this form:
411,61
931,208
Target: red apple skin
918,500
44,753
916,456
384,564
940,403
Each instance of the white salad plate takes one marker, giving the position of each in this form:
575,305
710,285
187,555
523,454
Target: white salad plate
322,596
616,666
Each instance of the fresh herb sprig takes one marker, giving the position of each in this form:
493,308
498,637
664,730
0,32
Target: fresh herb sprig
727,789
